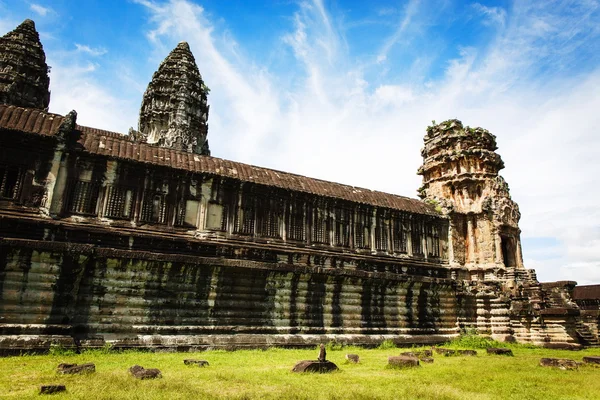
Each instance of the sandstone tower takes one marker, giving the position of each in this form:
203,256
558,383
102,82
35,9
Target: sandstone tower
460,175
24,77
174,110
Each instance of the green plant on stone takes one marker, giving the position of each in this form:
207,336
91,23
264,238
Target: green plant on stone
57,349
333,345
387,344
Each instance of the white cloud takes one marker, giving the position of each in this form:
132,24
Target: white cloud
40,10
95,52
493,15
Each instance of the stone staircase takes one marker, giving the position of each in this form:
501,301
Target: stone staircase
586,335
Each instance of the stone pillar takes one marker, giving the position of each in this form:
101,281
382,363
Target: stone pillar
498,249
58,176
471,240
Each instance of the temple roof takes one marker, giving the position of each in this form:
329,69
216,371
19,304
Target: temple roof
24,79
116,145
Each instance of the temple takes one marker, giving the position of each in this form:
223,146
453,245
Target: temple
146,240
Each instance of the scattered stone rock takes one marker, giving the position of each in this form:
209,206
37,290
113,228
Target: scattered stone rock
353,358
466,352
200,363
314,366
562,346
562,363
69,369
141,373
403,362
446,352
49,389
499,351
591,360
418,354
427,360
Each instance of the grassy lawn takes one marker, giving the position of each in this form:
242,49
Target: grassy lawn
256,374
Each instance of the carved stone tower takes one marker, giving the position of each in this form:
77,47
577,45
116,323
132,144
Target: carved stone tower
174,110
24,79
460,174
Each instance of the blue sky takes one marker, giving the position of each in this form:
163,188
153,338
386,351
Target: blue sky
343,91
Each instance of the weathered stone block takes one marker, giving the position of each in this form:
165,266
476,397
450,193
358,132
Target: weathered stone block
427,360
445,352
562,363
50,389
591,360
562,346
69,369
466,352
200,363
140,372
418,354
314,366
403,362
499,351
353,358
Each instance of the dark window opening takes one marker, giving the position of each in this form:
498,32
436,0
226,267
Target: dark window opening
342,227
320,225
244,221
508,251
154,208
296,229
120,202
84,197
416,237
10,182
363,229
381,232
400,234
433,241
269,210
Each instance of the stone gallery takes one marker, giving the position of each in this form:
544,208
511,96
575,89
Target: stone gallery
146,240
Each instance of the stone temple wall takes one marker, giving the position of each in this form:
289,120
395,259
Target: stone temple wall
144,240
83,296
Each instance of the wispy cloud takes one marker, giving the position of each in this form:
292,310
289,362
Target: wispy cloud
493,15
410,10
95,52
40,10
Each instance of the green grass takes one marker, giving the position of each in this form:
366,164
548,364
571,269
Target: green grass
256,374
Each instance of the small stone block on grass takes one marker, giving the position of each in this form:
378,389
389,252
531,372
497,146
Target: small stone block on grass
353,358
421,355
314,366
50,389
562,363
466,352
426,360
200,363
499,351
70,369
446,352
403,362
591,360
142,373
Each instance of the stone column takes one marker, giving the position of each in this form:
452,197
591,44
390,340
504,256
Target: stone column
58,181
470,239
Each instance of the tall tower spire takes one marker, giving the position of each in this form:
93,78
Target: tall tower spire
24,79
460,174
174,110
